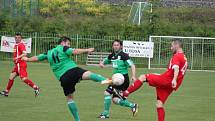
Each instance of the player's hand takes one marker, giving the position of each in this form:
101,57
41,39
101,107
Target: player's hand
24,58
101,64
89,50
174,84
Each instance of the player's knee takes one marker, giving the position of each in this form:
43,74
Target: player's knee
106,93
86,75
24,78
142,78
159,104
70,97
115,100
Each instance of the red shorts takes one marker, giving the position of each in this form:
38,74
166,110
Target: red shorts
21,70
162,84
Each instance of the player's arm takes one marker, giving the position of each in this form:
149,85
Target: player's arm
176,72
40,57
175,66
24,54
130,63
23,50
80,51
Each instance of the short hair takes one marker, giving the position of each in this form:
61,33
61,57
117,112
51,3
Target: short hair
64,39
178,41
117,40
18,34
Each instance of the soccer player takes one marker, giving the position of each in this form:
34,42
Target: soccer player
120,62
20,68
66,70
167,82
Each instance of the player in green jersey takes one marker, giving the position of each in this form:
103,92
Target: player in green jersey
66,70
120,62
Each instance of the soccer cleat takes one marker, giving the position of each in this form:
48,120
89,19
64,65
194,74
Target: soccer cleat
37,92
102,116
135,110
4,93
107,81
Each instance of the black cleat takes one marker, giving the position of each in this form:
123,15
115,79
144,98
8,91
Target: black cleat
102,116
135,110
37,92
4,93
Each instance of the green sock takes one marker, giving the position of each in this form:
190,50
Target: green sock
107,103
126,103
96,77
73,108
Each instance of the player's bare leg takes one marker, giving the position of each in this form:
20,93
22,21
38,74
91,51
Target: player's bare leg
9,85
135,86
32,85
160,110
72,107
95,77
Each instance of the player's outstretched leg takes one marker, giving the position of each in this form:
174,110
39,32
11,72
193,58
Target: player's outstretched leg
160,111
126,103
135,86
96,77
9,85
72,107
32,85
107,103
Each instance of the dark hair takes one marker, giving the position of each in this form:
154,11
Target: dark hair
18,34
64,39
178,41
117,40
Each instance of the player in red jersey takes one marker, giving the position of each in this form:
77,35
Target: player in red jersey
20,68
167,82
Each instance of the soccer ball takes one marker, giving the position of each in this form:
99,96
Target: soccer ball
118,79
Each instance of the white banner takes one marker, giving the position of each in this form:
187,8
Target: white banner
138,49
7,44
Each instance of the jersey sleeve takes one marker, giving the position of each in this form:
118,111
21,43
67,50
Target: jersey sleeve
68,50
175,62
22,48
42,57
126,58
106,61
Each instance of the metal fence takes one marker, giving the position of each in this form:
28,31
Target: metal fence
200,52
41,42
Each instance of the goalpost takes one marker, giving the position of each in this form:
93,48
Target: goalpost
138,11
200,52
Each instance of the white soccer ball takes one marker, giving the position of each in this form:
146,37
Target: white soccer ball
118,79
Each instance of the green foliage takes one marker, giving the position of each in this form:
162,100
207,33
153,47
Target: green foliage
87,17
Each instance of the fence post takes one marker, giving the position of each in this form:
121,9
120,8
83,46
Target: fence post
191,65
159,56
149,60
35,44
202,59
76,57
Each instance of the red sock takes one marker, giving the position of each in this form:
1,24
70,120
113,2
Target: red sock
9,85
132,88
161,114
30,83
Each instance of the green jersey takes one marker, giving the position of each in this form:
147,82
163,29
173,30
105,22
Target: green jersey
59,60
120,62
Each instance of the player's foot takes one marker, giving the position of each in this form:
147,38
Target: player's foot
107,81
135,109
102,116
37,92
4,93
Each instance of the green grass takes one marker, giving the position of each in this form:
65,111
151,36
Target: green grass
194,101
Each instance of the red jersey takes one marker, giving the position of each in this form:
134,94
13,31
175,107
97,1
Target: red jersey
18,50
179,59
